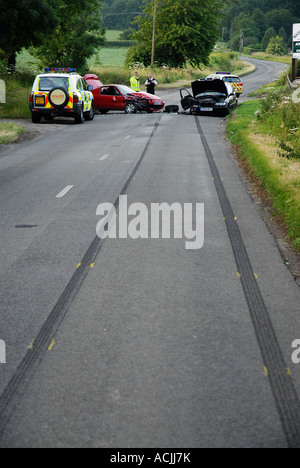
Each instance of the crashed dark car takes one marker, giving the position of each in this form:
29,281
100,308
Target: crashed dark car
210,96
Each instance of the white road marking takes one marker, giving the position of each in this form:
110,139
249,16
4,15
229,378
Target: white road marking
64,191
104,157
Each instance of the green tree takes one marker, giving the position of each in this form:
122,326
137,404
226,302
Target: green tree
280,18
186,30
267,36
77,36
25,23
119,14
276,46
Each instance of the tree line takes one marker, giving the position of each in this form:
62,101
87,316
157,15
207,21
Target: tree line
62,33
260,24
66,33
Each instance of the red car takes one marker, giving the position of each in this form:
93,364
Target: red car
121,98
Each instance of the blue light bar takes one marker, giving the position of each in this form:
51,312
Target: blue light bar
68,70
223,73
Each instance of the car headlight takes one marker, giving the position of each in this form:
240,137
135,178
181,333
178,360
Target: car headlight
220,104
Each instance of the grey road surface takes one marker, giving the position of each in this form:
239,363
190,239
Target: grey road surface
142,342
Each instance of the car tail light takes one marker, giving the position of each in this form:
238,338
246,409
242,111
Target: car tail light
31,97
75,98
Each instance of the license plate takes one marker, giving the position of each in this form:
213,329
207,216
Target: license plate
206,109
40,100
157,104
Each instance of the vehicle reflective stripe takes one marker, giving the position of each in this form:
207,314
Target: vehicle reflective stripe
47,103
70,103
238,87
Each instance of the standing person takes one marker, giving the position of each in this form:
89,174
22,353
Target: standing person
135,82
150,84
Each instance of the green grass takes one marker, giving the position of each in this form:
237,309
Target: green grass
9,132
109,57
17,98
272,58
112,34
257,141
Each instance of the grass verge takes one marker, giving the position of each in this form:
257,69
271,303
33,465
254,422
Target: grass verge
17,98
258,145
9,132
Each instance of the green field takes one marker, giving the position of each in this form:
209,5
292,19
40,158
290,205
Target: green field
109,57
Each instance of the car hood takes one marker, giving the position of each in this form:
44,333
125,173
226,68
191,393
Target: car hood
146,96
200,86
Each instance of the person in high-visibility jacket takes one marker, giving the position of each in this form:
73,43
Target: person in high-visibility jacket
135,83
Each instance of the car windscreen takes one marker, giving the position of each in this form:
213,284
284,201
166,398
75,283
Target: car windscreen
125,90
213,94
46,83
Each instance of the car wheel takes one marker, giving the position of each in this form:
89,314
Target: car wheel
79,117
36,118
91,114
130,108
172,109
58,97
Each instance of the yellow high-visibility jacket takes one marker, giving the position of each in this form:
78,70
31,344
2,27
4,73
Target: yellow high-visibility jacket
135,84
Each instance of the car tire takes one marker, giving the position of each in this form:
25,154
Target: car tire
36,118
172,109
90,114
130,108
64,97
79,117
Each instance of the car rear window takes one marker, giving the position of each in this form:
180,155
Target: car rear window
232,79
46,83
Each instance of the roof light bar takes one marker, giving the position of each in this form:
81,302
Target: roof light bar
69,70
222,73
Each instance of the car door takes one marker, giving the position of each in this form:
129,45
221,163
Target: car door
111,98
80,87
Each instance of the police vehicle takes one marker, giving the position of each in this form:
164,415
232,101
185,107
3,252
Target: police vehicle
234,80
61,92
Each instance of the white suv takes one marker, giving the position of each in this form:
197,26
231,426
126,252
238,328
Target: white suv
61,92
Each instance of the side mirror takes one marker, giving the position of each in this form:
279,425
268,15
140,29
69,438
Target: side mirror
90,88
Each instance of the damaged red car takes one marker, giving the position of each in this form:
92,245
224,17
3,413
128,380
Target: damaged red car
121,98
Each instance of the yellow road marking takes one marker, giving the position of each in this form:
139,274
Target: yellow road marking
51,345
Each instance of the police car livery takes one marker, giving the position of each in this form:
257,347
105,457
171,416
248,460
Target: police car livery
234,80
61,92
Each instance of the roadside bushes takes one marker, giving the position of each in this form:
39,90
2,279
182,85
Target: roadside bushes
270,149
225,61
281,115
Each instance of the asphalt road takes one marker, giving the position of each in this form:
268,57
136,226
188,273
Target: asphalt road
142,342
